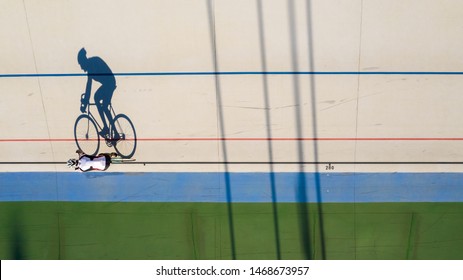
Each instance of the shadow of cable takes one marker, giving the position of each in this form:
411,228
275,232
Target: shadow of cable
301,187
308,245
268,125
313,97
211,19
16,236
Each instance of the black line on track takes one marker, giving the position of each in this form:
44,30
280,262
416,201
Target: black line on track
249,162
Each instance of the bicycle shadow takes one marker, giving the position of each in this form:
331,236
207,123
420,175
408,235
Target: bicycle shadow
117,130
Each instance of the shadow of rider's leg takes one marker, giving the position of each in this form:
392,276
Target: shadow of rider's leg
102,99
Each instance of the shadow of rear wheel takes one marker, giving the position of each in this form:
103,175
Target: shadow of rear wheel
127,142
86,135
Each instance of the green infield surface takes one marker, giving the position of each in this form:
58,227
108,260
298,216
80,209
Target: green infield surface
138,230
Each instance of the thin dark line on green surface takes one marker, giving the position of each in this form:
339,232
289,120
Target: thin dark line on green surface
59,235
193,236
411,235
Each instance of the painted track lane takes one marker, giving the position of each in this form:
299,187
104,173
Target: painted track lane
237,121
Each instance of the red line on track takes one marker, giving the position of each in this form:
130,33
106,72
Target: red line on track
303,139
248,139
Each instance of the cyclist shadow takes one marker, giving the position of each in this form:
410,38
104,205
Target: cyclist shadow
117,130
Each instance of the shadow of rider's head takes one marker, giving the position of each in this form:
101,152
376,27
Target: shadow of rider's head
82,59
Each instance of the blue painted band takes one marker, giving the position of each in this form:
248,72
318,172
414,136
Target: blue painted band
242,187
29,75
